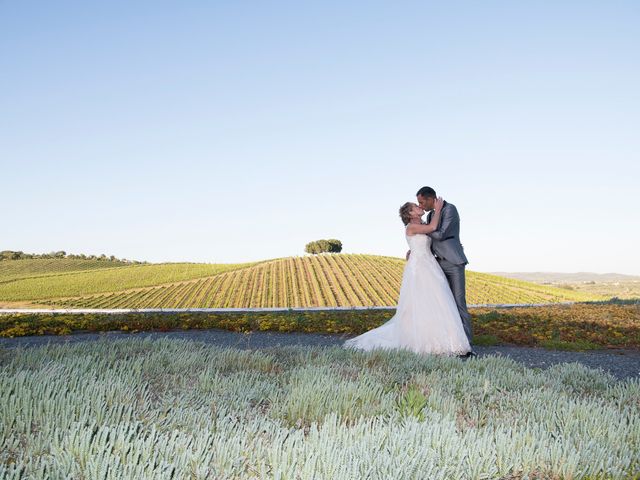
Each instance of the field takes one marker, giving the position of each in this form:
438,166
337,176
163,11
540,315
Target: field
312,281
622,290
296,282
13,270
166,409
175,409
609,285
74,278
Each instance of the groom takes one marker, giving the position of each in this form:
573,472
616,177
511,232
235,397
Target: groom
446,246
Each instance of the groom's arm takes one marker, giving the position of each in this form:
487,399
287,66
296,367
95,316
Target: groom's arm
449,219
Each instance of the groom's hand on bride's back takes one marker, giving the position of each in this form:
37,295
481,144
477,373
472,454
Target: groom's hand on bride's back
408,253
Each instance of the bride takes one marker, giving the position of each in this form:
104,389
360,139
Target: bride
427,318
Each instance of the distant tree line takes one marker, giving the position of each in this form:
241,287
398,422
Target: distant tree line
324,246
19,255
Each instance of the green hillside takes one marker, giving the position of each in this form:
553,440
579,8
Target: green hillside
28,268
311,281
39,281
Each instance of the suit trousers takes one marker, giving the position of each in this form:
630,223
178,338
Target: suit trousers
455,277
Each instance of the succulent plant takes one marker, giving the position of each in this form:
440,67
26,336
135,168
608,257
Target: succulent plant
156,409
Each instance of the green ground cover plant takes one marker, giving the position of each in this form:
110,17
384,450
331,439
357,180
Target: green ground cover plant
176,409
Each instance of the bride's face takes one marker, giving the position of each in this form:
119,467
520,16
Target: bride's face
417,211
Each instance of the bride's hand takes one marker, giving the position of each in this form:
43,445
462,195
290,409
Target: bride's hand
438,205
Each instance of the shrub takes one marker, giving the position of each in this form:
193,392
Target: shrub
324,246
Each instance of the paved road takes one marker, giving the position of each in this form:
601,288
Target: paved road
620,363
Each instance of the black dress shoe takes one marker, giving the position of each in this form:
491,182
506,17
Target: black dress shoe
470,354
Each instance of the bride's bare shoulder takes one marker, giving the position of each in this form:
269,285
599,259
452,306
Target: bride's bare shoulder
411,229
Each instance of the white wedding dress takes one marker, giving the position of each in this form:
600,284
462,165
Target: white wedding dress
426,319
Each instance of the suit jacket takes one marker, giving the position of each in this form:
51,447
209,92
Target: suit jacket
445,240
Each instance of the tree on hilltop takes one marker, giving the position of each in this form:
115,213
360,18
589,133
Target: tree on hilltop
323,246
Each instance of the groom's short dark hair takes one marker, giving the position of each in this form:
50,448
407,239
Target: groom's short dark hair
427,192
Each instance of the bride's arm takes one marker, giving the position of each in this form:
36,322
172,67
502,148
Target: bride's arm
414,228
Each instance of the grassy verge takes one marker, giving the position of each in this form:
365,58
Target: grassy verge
577,327
137,409
575,346
486,340
346,321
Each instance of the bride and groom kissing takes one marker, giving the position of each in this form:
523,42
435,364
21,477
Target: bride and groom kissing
431,316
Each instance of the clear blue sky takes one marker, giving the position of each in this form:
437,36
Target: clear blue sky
237,131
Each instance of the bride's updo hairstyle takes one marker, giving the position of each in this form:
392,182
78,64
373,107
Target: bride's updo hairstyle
405,212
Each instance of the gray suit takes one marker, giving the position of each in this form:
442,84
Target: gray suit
446,246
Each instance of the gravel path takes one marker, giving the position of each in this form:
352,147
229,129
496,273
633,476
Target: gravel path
620,363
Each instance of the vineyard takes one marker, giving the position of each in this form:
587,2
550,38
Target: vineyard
48,282
20,269
341,280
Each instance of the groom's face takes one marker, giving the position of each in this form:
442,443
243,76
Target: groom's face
426,203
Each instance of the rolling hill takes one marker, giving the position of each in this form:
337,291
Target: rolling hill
69,279
569,278
29,268
310,281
